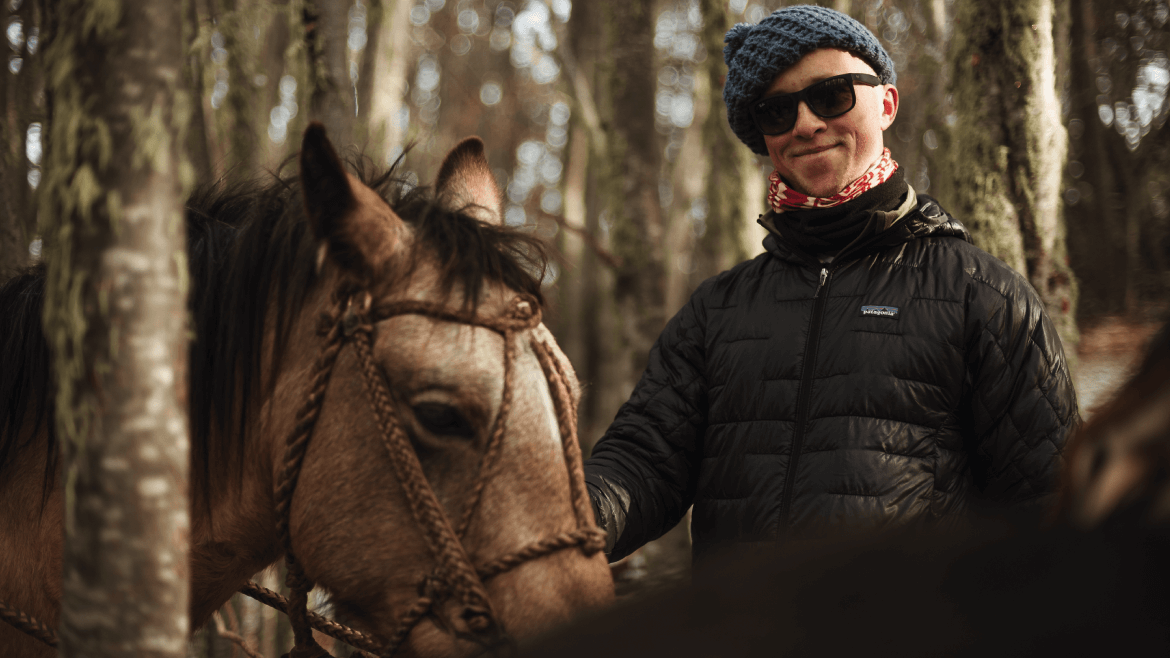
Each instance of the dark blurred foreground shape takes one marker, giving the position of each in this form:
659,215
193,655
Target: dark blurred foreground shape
994,589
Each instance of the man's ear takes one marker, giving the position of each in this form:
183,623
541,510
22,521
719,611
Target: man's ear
355,227
466,183
889,105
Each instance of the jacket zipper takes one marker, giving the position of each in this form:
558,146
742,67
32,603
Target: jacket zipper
805,391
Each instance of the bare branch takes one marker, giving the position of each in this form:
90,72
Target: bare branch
590,239
234,637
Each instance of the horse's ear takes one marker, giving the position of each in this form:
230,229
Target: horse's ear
466,183
354,228
328,196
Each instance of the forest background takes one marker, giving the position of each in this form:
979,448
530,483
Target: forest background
1037,123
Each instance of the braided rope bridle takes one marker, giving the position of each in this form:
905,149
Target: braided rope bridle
454,577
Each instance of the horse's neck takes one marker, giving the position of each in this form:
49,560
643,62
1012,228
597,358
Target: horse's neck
233,530
237,536
31,530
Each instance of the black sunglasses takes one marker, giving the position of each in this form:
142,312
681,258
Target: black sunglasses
831,97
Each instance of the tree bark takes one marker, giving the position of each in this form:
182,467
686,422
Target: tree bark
13,255
629,183
391,44
1009,146
594,342
332,96
729,162
197,145
115,319
1097,222
18,109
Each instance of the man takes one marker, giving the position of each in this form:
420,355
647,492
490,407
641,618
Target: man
873,368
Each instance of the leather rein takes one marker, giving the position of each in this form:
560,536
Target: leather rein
455,577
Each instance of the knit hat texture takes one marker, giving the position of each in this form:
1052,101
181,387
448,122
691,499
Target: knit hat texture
756,54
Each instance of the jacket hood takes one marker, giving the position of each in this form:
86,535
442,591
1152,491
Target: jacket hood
927,219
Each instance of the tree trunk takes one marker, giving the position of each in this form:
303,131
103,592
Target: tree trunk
115,318
391,45
23,78
593,343
13,253
729,162
364,85
1008,150
1097,222
332,97
630,182
197,145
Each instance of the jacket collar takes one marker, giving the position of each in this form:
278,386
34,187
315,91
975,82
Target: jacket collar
919,217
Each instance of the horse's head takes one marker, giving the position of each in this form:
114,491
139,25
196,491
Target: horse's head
436,484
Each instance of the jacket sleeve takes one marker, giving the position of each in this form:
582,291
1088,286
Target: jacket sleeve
642,474
1022,401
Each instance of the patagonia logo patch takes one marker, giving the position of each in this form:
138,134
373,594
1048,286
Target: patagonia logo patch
880,311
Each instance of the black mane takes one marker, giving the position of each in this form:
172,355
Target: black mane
249,248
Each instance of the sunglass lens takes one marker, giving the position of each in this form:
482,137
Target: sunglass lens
831,98
775,115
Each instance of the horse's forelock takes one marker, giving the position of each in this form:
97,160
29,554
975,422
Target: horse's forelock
465,250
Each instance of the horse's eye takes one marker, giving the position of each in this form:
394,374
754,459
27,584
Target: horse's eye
442,419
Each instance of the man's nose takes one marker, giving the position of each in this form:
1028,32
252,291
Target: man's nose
807,123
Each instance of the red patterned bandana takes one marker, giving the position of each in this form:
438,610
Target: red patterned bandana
783,198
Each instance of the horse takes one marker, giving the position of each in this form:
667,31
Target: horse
1087,577
372,397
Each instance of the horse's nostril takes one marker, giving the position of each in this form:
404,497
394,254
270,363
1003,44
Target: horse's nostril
480,627
477,620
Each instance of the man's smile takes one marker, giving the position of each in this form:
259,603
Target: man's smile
815,150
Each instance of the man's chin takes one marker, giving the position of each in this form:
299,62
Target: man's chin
820,188
819,182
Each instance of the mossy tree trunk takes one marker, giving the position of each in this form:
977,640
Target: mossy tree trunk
115,318
729,162
1008,145
629,183
197,145
332,96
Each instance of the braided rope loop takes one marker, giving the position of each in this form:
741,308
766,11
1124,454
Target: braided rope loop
333,629
443,543
27,624
297,444
495,440
567,422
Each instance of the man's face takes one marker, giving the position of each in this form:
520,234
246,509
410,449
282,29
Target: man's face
819,157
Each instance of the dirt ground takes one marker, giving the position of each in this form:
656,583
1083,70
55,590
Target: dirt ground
1109,349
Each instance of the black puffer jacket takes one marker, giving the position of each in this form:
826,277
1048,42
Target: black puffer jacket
789,398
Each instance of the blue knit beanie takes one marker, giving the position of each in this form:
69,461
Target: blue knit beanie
756,54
